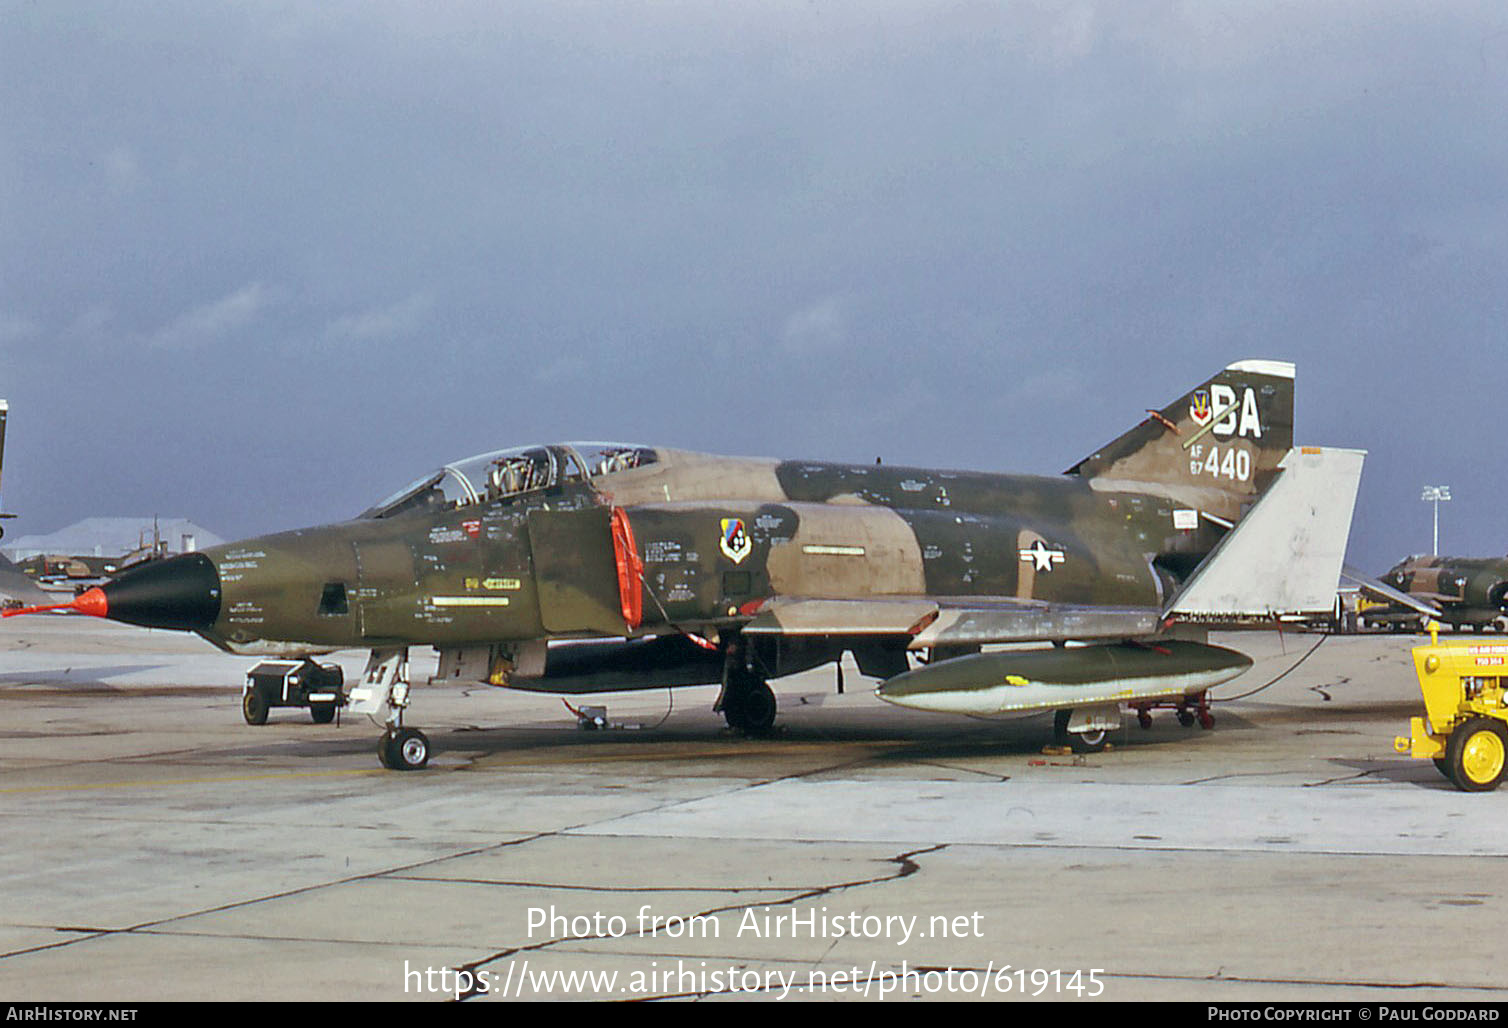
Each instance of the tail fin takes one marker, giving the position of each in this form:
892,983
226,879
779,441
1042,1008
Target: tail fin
1215,449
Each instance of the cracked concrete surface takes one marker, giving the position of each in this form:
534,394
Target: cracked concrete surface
156,847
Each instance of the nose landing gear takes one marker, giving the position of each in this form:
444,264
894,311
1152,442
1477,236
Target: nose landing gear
383,693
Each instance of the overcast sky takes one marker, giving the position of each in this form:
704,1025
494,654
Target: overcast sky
262,263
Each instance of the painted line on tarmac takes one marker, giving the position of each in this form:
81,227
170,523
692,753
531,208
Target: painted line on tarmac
154,783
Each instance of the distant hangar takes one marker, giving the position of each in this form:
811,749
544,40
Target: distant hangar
114,537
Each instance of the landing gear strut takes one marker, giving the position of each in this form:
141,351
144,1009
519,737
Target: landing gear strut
383,693
748,703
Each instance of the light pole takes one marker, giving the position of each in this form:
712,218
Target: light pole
1436,493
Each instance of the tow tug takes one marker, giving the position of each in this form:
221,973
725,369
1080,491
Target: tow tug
293,683
1465,727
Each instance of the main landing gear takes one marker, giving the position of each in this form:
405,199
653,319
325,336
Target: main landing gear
747,701
1086,730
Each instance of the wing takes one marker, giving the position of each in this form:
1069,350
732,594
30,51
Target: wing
1382,591
930,621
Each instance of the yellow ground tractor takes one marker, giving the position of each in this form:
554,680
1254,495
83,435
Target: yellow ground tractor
1465,727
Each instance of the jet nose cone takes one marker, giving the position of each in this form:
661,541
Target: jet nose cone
181,592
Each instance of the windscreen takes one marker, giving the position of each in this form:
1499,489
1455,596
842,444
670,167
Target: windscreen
506,473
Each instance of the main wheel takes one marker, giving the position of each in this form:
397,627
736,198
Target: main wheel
404,750
749,705
254,707
759,708
1477,754
322,713
1079,742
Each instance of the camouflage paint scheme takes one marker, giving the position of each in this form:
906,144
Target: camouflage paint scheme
799,560
587,567
1468,590
539,564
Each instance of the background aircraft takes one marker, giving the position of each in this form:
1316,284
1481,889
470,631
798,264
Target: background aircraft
596,567
1465,590
17,589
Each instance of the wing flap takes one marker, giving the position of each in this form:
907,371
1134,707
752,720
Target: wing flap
1048,622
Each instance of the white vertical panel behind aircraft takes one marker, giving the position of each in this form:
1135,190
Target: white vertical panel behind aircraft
1284,557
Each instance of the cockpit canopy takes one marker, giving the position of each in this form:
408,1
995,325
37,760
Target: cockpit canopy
515,472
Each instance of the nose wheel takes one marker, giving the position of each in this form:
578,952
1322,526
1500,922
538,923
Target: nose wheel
404,749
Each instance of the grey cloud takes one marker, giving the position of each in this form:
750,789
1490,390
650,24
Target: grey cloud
823,325
395,321
979,234
213,321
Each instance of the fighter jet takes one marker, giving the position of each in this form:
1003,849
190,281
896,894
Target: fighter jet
1466,590
591,567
